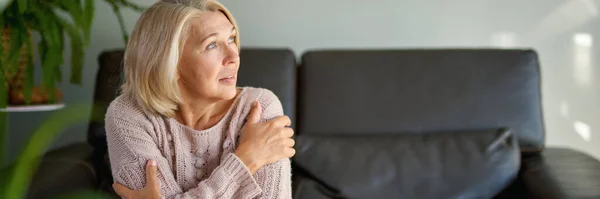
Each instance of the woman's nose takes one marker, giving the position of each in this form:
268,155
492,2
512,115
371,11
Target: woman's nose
231,55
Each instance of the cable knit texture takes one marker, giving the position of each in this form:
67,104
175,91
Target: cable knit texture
192,163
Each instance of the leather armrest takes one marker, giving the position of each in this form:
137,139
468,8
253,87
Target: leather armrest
561,173
63,171
305,187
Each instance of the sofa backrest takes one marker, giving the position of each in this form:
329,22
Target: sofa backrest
274,69
421,91
108,81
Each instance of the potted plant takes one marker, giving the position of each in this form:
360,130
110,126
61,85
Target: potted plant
51,19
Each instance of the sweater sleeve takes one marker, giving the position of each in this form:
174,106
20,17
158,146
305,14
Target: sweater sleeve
131,143
274,179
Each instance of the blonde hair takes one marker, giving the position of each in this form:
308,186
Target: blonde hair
154,50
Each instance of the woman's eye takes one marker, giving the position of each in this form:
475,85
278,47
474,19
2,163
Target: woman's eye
231,39
211,45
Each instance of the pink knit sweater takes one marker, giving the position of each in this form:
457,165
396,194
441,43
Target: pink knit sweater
192,163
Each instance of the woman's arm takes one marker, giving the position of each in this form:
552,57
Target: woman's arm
131,145
274,179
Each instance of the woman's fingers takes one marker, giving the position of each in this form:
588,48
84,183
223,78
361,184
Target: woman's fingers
152,174
282,121
255,113
123,191
288,142
287,132
289,152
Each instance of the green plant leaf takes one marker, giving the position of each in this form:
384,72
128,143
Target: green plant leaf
48,64
18,34
28,82
42,26
79,15
88,12
53,54
117,12
116,5
14,50
45,57
73,7
77,53
60,36
29,158
22,5
2,55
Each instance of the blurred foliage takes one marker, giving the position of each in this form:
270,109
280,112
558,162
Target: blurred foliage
20,175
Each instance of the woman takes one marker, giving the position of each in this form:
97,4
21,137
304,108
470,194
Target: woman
181,128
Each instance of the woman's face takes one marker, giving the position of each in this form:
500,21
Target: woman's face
209,64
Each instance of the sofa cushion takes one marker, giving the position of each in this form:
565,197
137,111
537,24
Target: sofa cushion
460,164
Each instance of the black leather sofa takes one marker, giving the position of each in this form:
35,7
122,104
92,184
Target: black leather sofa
450,123
414,94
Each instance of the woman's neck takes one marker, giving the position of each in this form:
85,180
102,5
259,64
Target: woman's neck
201,114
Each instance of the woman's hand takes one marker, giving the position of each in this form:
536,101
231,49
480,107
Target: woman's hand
152,189
266,142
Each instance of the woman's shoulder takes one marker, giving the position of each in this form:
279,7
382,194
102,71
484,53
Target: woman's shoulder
124,107
267,99
125,116
262,95
251,94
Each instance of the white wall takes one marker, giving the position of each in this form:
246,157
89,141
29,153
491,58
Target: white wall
571,89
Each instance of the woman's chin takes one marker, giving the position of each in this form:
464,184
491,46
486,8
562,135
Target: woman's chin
229,92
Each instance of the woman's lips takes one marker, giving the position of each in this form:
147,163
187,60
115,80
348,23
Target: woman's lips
228,80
